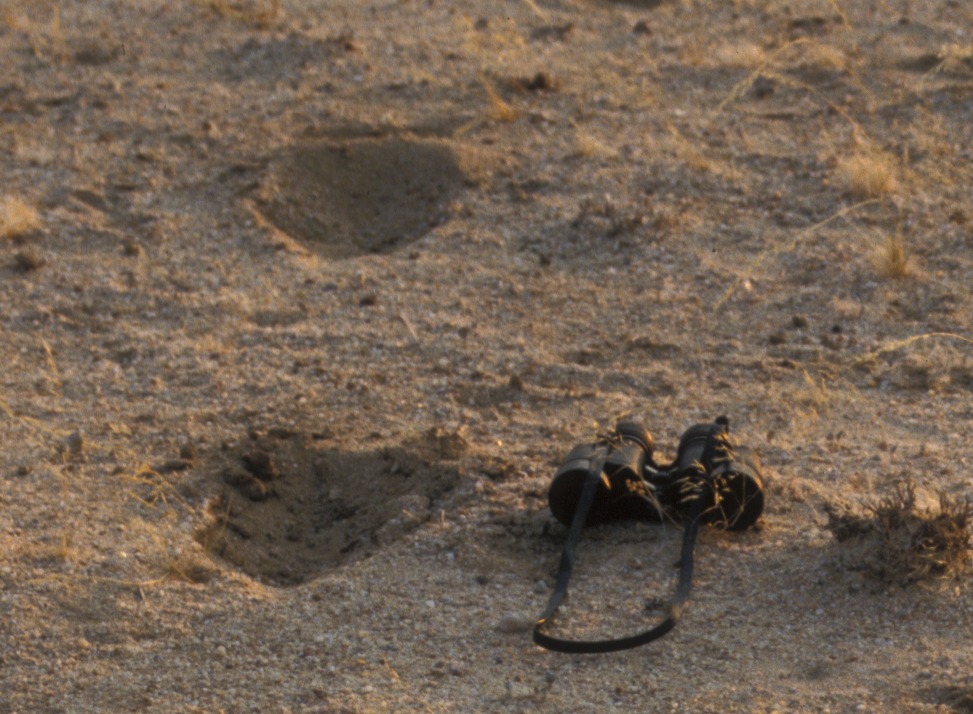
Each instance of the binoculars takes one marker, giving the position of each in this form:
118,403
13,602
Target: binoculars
711,481
722,480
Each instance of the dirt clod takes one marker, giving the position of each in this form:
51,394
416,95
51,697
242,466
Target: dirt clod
261,465
29,260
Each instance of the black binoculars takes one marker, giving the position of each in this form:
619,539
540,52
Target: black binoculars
711,481
709,471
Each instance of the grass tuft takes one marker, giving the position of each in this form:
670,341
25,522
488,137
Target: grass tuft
953,55
900,542
868,174
18,219
892,258
259,13
589,146
824,58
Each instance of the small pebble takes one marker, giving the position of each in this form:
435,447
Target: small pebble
28,260
74,443
511,623
131,248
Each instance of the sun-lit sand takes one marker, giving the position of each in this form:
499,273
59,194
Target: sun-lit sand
303,303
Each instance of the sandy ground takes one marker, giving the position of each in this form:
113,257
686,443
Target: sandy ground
301,307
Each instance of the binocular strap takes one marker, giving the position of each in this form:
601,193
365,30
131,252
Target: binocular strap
676,605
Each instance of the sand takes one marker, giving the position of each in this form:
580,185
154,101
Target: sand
303,305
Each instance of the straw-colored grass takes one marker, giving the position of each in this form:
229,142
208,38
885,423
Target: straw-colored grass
260,13
900,542
17,218
892,258
868,174
499,109
746,55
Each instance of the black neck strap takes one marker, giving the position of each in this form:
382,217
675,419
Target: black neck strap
676,605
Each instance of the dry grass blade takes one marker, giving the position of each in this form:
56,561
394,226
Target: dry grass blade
152,490
536,10
804,234
741,87
499,109
899,344
815,53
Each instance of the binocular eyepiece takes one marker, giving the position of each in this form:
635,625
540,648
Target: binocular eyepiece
710,476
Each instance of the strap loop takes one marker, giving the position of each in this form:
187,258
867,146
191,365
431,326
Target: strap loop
676,605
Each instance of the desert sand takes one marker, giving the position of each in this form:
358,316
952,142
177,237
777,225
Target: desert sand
303,303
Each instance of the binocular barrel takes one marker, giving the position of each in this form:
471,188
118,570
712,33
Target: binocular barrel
624,454
707,466
730,478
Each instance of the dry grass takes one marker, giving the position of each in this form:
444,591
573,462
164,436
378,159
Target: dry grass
740,54
826,58
894,345
536,10
810,403
800,54
780,248
896,541
188,567
589,146
953,55
17,218
159,497
41,22
892,258
499,109
868,174
54,380
688,152
259,13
